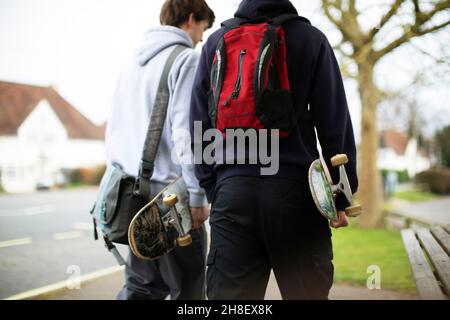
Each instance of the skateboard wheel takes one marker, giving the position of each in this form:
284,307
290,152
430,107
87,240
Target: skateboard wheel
353,211
170,200
339,159
184,240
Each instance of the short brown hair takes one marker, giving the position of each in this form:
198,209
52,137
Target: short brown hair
176,12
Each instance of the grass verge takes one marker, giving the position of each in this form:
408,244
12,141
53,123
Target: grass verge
414,195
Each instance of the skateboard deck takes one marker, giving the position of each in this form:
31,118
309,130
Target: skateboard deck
162,224
323,190
320,187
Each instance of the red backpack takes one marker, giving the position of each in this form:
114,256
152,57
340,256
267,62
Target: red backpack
249,77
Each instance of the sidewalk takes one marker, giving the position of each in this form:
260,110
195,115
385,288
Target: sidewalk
435,211
106,287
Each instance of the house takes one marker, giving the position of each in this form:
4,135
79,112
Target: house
41,135
398,152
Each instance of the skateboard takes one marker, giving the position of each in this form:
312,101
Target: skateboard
323,190
162,224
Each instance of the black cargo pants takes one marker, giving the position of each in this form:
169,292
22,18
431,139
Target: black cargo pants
264,223
180,273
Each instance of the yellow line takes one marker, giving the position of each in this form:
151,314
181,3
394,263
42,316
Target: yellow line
67,235
62,285
16,242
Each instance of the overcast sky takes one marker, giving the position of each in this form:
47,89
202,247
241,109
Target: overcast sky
79,46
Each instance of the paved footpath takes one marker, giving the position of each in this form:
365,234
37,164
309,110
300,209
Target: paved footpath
436,211
106,287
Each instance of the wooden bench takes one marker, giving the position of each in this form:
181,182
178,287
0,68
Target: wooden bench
429,256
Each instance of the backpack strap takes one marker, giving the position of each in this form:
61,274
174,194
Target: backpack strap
154,131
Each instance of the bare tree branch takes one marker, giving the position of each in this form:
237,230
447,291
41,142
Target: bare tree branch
392,11
416,6
347,23
426,53
412,32
352,8
422,17
338,47
326,4
345,67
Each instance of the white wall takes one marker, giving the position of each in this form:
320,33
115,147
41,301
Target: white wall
416,162
388,159
411,161
41,149
82,153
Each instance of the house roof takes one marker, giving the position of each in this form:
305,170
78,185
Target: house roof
17,101
398,141
395,140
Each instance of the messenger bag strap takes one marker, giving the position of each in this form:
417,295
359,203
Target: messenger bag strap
155,128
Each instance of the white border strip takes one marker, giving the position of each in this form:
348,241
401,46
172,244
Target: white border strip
67,235
62,285
15,242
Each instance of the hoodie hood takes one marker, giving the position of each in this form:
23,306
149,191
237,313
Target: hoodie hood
250,9
160,38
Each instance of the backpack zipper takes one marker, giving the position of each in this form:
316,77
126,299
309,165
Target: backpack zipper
237,85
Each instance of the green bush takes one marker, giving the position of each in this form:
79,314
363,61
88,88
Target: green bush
97,175
436,180
87,176
75,176
401,175
443,144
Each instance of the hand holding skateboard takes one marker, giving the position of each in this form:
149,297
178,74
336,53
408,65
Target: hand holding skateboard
324,191
162,224
199,215
173,218
341,222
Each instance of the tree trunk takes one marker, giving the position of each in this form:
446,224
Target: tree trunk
370,192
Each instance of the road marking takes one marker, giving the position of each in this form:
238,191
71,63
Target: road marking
62,285
31,211
38,210
85,226
67,235
15,242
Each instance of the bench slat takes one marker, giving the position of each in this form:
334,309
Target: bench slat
443,237
426,283
447,227
438,257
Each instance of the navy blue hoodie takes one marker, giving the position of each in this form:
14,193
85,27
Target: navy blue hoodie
318,93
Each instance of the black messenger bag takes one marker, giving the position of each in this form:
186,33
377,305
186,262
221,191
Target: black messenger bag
121,195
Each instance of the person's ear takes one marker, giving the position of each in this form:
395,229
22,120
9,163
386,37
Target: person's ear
191,20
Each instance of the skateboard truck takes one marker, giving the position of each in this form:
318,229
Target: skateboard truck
343,186
324,191
172,217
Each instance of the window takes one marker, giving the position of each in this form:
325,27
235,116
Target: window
10,173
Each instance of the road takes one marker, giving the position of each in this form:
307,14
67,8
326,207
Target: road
47,236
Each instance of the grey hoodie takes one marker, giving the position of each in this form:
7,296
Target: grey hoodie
133,103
